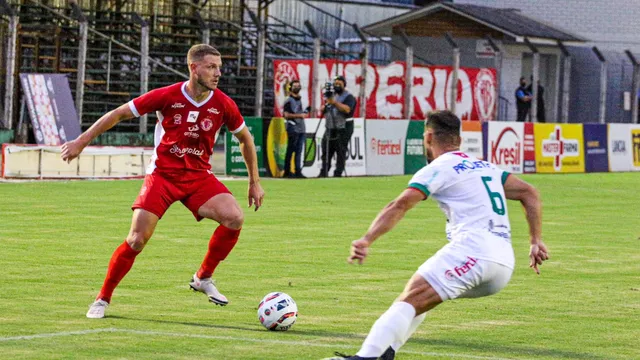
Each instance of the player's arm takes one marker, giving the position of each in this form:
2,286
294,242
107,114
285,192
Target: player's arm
517,189
71,149
385,221
248,150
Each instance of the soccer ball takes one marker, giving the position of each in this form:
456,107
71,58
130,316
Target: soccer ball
277,311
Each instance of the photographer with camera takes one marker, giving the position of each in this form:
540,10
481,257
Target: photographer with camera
339,106
294,115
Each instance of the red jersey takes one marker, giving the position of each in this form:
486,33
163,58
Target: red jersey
186,130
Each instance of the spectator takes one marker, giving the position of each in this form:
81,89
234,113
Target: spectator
294,116
523,100
542,115
339,106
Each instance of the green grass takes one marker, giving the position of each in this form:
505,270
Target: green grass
56,239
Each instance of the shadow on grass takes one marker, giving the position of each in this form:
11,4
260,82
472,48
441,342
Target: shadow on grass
485,348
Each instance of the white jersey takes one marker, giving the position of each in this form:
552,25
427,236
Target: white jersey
470,192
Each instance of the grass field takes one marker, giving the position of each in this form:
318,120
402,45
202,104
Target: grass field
56,239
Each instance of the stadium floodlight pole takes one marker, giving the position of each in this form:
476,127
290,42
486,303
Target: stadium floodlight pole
603,83
456,68
5,9
635,81
408,75
260,53
566,81
497,63
82,57
535,76
315,89
205,28
144,63
363,73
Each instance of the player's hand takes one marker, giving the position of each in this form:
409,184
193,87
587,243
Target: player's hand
70,150
537,254
359,251
256,195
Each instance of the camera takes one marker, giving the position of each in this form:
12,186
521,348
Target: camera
328,90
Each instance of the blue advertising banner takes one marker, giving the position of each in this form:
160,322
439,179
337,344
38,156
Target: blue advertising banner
595,148
53,114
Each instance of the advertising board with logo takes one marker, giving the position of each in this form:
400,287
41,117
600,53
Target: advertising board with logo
635,146
234,161
414,156
385,142
384,92
505,145
559,148
276,149
620,148
595,148
472,139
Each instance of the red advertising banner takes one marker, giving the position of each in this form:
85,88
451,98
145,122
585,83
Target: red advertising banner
477,97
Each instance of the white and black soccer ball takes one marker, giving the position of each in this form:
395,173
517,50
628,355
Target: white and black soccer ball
277,311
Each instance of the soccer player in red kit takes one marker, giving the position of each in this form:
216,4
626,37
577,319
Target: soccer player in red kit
190,115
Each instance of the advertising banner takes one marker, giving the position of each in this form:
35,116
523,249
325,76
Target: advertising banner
559,148
620,148
431,90
635,146
595,148
234,161
505,145
414,156
53,114
386,142
276,148
529,149
472,138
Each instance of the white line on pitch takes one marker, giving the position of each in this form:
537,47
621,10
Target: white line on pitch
50,335
234,338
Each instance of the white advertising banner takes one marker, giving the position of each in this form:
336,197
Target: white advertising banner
472,143
385,146
620,147
356,157
505,145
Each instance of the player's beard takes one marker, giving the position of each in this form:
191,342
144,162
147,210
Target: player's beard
429,154
204,85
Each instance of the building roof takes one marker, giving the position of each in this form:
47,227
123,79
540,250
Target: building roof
508,21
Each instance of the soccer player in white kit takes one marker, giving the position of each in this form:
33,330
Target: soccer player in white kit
478,260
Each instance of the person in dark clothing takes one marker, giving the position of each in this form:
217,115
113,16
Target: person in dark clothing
294,116
338,108
541,113
523,100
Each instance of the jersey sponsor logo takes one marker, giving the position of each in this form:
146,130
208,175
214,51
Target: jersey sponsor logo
471,165
177,119
507,148
558,147
193,116
206,124
177,106
213,111
181,152
192,132
386,147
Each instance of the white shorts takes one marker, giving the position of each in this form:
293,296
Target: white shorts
456,273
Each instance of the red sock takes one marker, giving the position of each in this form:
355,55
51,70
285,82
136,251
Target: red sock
220,245
120,264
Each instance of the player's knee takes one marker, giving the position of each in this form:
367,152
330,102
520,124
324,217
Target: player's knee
422,297
137,239
234,219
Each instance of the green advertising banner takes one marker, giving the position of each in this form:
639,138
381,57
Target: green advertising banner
414,156
235,161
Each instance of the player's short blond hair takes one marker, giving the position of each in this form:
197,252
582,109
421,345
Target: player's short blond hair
198,52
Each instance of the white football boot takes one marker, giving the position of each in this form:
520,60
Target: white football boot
96,310
208,287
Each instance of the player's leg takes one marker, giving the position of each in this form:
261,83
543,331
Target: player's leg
142,227
392,327
212,200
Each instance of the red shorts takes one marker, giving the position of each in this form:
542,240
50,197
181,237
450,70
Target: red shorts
159,191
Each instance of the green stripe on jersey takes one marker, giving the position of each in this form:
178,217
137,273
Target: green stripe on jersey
420,187
505,175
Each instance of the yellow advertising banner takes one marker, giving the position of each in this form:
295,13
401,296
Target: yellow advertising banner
635,147
559,148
